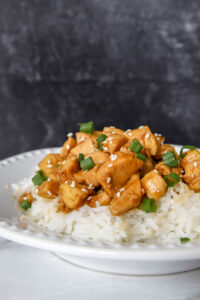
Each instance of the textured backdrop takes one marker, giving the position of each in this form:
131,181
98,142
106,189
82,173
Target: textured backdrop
125,63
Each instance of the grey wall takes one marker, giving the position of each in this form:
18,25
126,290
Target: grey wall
125,63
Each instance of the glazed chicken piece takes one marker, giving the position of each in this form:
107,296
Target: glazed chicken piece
129,197
102,197
82,136
112,130
192,171
48,189
147,166
26,196
89,177
99,157
66,148
145,137
154,185
114,142
70,165
165,148
114,174
195,184
163,169
48,165
191,156
88,146
73,194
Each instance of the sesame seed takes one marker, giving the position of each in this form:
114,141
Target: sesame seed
49,166
63,162
66,181
112,127
82,139
69,134
85,171
110,138
108,180
114,132
67,146
130,133
155,171
147,135
84,190
48,179
195,164
104,142
25,198
122,189
89,198
141,126
90,187
49,193
128,130
118,194
113,157
111,142
49,161
105,148
73,184
142,190
110,165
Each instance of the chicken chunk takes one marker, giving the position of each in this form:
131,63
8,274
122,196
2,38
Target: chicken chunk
68,145
70,165
89,177
112,130
87,146
73,194
26,196
165,148
191,156
192,171
48,189
147,167
99,157
82,136
195,184
145,137
130,197
113,174
48,165
154,185
114,142
163,169
102,197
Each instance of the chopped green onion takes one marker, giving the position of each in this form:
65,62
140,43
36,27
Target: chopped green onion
135,146
149,205
87,127
100,147
141,156
25,204
101,138
57,166
172,179
170,159
39,178
186,147
184,240
87,163
80,157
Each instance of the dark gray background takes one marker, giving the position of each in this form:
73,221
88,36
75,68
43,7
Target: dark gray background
125,63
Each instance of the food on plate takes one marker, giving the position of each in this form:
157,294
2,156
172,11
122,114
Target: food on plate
116,186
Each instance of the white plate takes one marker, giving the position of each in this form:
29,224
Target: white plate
136,259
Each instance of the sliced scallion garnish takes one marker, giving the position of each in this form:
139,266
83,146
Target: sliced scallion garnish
100,147
141,156
135,146
186,147
170,159
184,240
87,127
39,178
80,157
25,204
172,179
87,163
149,205
101,138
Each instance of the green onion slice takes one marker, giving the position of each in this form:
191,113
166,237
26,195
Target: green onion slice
25,204
141,156
170,159
100,147
101,138
149,205
184,240
80,157
172,179
135,146
87,163
39,178
57,166
87,127
186,147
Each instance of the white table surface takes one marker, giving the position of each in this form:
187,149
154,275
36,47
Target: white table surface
28,273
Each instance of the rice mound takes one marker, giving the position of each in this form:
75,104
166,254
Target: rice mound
177,215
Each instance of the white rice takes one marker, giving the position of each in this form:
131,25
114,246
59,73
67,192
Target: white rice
178,215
